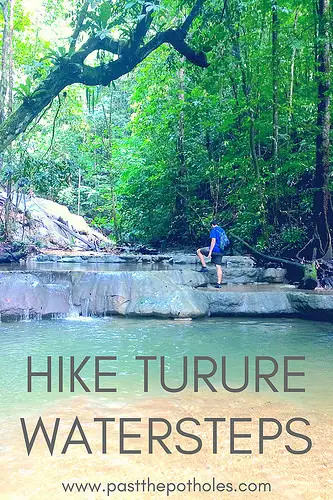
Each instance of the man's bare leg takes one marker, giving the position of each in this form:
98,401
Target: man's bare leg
219,274
201,257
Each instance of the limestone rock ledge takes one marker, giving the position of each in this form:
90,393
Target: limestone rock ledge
140,293
168,294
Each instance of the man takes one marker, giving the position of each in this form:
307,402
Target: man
213,252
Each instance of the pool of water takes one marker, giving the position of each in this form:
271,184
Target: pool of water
128,338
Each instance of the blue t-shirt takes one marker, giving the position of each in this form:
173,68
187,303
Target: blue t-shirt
216,233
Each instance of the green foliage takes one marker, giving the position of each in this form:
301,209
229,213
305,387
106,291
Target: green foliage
310,271
159,153
24,90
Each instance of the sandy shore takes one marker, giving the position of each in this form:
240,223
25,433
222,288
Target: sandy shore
39,476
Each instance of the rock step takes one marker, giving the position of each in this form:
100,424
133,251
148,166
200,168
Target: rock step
178,259
236,269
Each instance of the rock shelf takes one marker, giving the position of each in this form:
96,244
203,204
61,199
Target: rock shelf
165,294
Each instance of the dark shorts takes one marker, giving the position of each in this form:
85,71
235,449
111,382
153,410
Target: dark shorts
216,257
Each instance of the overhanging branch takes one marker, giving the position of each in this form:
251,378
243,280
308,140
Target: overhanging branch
132,53
80,20
106,73
142,26
176,39
73,70
192,15
96,43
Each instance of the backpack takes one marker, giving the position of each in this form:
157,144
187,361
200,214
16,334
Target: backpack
224,240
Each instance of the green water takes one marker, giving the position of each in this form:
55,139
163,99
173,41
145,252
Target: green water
128,338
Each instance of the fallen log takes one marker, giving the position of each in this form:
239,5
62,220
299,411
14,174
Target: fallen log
63,226
308,272
268,258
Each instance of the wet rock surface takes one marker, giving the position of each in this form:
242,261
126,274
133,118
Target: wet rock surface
250,304
24,295
236,269
312,305
152,293
173,294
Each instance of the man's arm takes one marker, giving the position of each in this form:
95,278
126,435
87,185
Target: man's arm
212,245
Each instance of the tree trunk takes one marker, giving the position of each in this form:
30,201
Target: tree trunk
292,72
275,74
6,97
11,58
235,94
79,194
269,258
7,70
322,210
114,215
19,120
214,183
63,226
243,64
4,68
8,207
305,274
244,71
4,61
181,180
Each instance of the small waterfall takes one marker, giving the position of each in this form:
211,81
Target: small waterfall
26,314
85,307
105,309
73,310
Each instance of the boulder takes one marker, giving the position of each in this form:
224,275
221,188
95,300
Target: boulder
317,305
236,275
45,258
153,293
185,260
249,303
273,275
238,261
39,225
141,293
24,296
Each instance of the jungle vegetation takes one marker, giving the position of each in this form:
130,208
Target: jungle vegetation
151,117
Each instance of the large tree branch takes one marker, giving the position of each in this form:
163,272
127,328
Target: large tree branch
106,73
142,26
174,37
192,15
79,23
19,120
177,40
73,70
96,43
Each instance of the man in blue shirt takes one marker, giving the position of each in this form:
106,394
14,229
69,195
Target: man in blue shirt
213,252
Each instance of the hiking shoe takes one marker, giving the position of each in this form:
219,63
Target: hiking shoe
203,270
218,285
